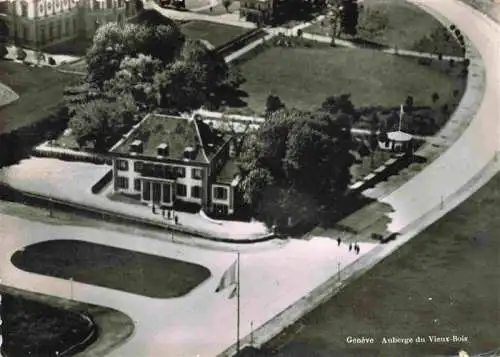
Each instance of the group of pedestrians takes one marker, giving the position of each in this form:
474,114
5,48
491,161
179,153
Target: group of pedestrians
354,246
170,213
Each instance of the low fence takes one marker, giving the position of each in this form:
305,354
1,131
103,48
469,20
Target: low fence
45,150
379,174
9,193
239,42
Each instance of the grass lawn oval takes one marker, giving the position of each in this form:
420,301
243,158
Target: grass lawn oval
110,267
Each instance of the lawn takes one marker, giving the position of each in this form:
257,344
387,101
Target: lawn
304,77
215,34
30,327
40,92
405,26
443,283
114,268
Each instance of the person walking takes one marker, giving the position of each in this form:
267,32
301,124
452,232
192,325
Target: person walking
176,218
350,246
338,241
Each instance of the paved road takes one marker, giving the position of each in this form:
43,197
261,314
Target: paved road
202,323
478,144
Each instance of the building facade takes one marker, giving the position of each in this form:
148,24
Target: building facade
167,161
42,23
258,11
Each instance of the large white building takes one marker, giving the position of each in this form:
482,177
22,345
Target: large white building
41,23
167,161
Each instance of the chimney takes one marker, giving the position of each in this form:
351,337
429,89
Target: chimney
136,147
189,153
162,150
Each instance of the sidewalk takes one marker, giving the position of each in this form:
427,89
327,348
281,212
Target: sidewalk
392,51
70,183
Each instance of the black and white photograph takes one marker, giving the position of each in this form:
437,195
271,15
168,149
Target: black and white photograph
249,178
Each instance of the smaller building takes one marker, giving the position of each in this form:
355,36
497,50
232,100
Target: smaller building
170,161
397,141
258,11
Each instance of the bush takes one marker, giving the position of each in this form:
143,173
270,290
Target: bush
21,54
3,51
52,61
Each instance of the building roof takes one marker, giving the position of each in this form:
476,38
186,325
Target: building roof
178,133
399,136
228,172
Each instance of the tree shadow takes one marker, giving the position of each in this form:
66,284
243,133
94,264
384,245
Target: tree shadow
229,96
364,43
296,11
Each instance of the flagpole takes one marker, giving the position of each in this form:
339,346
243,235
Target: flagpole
238,308
401,111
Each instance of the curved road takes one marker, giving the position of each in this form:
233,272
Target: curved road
203,323
479,142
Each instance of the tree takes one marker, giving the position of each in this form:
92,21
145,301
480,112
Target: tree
297,165
209,64
374,22
100,122
181,87
226,4
339,104
136,77
113,42
235,77
408,104
349,17
273,103
78,95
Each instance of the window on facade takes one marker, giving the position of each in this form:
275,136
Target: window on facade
181,190
220,193
26,32
137,184
122,182
221,209
66,28
59,29
24,9
168,171
146,191
95,4
196,173
138,166
181,171
196,191
166,193
122,165
51,31
75,27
